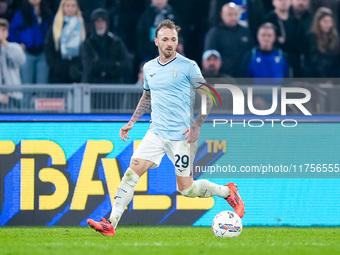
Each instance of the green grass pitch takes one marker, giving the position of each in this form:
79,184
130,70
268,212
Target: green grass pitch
168,240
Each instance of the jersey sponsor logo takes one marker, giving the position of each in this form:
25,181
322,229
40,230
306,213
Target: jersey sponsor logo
152,75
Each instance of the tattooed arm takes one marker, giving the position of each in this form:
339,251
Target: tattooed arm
201,118
194,131
142,107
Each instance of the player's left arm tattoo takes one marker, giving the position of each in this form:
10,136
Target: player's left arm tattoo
201,118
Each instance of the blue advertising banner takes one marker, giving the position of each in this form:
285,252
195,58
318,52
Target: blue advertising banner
63,172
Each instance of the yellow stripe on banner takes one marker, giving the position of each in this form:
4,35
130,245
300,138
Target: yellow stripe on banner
136,143
142,184
197,203
86,186
44,147
27,184
7,147
151,202
58,179
112,176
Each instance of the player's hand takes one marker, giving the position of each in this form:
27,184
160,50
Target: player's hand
192,134
125,130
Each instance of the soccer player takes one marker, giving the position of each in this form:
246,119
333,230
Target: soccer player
168,84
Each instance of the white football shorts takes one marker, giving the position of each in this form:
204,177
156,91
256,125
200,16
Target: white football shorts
153,147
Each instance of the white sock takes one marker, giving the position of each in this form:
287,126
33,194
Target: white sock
205,188
123,195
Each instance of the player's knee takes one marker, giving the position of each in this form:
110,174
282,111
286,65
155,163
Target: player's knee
130,177
192,191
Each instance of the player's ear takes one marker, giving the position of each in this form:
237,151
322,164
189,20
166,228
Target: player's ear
156,41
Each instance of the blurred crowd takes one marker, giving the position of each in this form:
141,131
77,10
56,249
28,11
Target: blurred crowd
108,41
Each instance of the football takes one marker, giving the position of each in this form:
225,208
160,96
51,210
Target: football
227,224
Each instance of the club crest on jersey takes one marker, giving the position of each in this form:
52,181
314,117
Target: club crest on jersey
174,71
277,59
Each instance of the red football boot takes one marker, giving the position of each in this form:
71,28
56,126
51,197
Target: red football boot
104,227
235,200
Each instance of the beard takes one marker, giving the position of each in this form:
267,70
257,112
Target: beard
167,53
211,71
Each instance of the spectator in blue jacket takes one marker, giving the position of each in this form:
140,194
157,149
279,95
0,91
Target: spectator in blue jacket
265,61
28,28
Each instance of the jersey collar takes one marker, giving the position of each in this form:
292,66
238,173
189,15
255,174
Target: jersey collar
166,62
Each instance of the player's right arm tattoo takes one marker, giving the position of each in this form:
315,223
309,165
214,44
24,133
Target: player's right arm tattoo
142,107
201,118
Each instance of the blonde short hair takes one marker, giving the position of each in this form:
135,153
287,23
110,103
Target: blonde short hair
167,24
